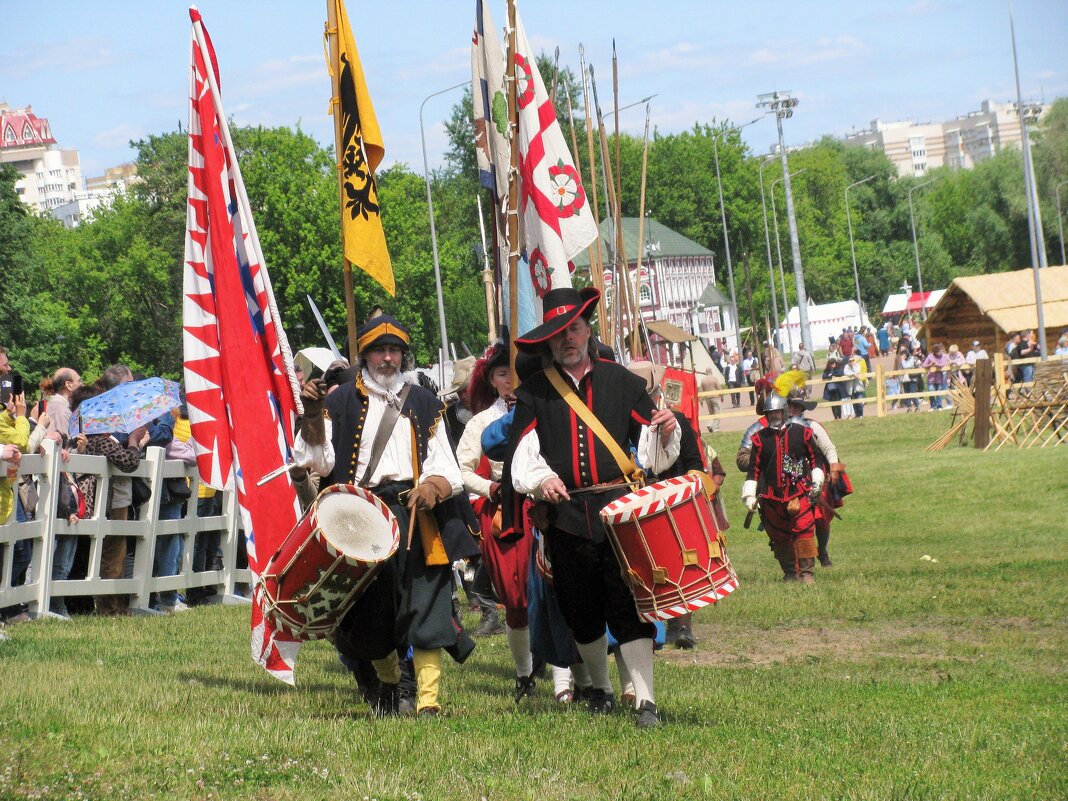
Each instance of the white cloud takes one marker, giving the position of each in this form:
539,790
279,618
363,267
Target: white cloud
803,54
79,54
119,136
268,77
456,61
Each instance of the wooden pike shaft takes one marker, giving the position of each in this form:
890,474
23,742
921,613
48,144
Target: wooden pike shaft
596,262
513,195
350,302
611,210
487,277
596,276
636,339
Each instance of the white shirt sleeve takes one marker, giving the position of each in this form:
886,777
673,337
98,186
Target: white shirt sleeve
823,442
529,468
319,459
469,456
656,457
440,460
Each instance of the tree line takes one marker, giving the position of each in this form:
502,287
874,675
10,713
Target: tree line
110,290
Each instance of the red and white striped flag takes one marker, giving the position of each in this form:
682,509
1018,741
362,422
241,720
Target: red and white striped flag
240,388
557,220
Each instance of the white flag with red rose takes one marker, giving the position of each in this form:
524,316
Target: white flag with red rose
557,220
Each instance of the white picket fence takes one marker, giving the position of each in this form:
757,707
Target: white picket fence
39,589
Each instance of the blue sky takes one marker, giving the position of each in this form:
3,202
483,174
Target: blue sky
110,71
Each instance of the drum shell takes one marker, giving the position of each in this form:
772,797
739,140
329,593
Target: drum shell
308,585
670,553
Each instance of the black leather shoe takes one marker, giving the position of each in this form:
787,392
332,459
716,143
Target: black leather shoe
524,687
490,624
600,702
648,715
386,701
684,637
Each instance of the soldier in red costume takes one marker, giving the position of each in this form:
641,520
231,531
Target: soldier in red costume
784,466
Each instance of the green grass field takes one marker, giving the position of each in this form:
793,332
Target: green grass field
895,677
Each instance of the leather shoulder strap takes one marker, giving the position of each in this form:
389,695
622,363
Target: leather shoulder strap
385,431
567,392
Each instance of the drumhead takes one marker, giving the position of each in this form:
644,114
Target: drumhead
649,500
354,526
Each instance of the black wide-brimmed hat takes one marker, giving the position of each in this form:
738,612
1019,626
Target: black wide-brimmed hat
798,398
561,307
381,330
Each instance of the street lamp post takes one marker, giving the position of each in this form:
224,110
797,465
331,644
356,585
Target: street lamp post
916,249
782,105
778,249
852,250
434,235
767,245
1034,211
1060,218
726,239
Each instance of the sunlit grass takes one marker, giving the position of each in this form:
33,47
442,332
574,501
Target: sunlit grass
895,676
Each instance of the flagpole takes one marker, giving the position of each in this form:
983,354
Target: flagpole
487,277
609,205
246,213
635,339
335,99
596,265
513,193
556,75
628,301
596,276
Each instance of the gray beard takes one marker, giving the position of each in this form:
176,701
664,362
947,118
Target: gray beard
391,383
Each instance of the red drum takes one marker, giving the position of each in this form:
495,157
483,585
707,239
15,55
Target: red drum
327,560
665,538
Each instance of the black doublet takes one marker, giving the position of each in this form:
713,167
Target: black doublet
571,449
408,602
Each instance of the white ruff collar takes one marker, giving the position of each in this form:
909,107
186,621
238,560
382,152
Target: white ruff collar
391,393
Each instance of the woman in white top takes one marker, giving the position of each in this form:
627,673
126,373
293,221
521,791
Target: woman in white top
490,396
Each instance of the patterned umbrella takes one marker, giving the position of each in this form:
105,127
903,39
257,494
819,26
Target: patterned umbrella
126,407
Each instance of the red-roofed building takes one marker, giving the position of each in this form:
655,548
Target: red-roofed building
50,177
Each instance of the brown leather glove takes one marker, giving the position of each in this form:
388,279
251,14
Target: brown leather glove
427,494
312,427
836,472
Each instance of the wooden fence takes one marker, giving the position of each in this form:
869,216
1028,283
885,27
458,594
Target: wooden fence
876,392
39,589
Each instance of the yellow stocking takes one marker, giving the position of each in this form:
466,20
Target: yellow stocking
388,668
427,677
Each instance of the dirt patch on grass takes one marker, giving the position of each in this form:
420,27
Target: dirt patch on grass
741,646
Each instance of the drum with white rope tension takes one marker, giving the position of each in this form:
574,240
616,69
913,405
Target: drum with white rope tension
671,554
327,561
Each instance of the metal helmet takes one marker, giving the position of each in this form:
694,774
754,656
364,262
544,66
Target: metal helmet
774,403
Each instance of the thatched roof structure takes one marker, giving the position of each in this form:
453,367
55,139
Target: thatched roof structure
989,307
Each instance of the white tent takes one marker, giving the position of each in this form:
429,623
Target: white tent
825,320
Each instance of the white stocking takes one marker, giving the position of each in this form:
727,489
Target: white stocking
638,655
595,655
519,645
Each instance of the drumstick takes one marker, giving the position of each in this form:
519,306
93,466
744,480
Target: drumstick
748,519
275,473
411,528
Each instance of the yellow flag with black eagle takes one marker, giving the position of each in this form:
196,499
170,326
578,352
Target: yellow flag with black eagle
360,151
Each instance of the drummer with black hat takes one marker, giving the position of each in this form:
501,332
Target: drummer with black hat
412,468
575,422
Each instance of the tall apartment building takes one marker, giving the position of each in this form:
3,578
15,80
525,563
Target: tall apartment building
961,142
50,177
